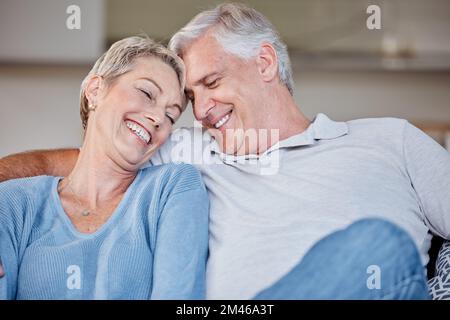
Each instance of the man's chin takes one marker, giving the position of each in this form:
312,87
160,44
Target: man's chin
232,147
230,151
232,141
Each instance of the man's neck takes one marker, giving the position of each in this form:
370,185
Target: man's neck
285,117
293,122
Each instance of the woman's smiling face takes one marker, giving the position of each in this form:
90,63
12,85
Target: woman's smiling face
135,113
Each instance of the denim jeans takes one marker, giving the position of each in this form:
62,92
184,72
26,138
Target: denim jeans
371,259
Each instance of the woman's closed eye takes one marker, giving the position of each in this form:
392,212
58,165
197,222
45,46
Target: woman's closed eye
149,95
171,118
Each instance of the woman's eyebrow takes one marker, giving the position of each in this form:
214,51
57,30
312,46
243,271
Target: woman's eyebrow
176,105
152,81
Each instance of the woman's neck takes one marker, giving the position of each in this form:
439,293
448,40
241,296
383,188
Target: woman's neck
96,178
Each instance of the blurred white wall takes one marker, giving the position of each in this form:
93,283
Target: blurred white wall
36,31
42,63
39,105
344,95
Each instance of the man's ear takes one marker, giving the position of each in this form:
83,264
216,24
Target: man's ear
267,61
93,89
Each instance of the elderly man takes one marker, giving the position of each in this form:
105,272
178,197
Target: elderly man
299,209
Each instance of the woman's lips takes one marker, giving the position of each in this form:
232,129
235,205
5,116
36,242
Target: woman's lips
139,131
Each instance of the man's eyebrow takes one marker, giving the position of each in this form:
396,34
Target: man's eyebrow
152,81
202,80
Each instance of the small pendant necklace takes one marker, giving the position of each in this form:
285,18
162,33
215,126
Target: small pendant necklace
84,211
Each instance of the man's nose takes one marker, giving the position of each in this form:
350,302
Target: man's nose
202,105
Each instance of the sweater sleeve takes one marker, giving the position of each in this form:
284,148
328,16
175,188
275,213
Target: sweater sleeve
181,248
12,203
9,261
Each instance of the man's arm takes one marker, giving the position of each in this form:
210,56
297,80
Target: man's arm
35,163
428,166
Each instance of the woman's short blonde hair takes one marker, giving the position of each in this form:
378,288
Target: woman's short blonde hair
120,58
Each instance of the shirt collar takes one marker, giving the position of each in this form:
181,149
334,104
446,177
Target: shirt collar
327,129
321,128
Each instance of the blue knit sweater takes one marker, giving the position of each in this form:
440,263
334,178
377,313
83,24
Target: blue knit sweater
154,246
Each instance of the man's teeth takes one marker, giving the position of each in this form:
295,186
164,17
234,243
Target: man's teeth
222,121
139,131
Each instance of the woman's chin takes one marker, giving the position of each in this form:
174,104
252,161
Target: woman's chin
135,160
131,159
131,153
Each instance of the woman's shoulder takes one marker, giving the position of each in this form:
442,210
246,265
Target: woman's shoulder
25,188
171,170
176,176
20,199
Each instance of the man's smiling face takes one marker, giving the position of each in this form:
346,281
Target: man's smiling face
223,89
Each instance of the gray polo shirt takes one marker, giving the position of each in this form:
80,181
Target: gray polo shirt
266,211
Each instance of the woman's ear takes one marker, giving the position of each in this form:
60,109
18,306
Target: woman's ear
267,61
93,89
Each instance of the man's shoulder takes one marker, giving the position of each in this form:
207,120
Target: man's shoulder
183,145
389,125
378,130
187,134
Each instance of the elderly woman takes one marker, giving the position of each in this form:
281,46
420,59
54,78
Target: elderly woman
110,229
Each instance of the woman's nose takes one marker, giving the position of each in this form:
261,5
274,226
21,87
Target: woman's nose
156,118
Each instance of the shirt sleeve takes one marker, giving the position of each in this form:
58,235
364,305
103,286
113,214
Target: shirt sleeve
179,267
428,166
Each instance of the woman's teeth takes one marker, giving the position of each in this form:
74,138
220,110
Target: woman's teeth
222,121
140,132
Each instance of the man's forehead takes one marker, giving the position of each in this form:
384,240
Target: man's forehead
201,67
204,45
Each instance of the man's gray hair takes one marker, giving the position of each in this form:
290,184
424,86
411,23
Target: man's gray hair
241,31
